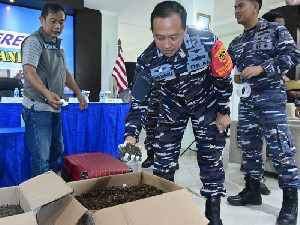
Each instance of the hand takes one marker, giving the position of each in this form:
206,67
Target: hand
292,2
129,152
237,79
297,111
53,100
131,139
251,71
222,122
82,102
295,94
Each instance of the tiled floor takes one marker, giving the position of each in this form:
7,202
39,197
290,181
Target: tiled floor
265,214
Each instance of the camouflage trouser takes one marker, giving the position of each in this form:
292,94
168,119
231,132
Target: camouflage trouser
150,123
270,122
209,142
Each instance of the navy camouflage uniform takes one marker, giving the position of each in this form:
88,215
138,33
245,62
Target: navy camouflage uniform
187,90
263,113
150,119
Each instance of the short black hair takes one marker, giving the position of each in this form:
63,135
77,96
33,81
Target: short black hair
271,16
52,7
257,1
167,8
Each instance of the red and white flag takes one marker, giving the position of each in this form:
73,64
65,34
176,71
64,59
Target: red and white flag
119,73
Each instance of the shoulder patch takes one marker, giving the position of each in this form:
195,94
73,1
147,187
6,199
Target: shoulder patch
285,35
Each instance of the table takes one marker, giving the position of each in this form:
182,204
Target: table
14,160
100,128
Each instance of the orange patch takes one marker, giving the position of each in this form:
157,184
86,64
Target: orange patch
221,64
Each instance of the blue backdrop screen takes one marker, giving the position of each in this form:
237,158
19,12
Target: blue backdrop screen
16,23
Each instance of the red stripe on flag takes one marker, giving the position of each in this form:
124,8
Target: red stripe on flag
120,79
119,72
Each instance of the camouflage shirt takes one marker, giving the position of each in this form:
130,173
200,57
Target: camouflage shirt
184,81
272,47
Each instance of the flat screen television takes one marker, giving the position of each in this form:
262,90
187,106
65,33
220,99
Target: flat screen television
18,22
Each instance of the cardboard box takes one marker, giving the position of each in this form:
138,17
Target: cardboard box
65,211
24,219
32,195
175,207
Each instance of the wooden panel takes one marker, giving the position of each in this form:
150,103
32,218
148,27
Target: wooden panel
88,51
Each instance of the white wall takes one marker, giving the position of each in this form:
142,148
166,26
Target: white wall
204,7
109,52
134,28
109,42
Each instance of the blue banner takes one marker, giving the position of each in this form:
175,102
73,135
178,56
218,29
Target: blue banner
16,23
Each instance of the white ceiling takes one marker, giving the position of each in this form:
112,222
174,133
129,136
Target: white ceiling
134,18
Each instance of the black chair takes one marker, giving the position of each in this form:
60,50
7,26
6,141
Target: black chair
8,85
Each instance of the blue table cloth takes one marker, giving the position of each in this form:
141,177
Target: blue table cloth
14,159
10,115
100,128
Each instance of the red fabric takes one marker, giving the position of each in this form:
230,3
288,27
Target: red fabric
221,64
119,73
95,164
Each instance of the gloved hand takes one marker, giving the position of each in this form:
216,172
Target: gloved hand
129,152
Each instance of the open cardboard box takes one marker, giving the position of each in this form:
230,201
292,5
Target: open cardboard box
175,207
32,195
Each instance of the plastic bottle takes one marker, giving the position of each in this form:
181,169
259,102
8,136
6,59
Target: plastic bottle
101,96
16,92
243,90
83,93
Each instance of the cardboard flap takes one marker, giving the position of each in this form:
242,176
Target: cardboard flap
63,211
159,182
9,196
42,189
174,208
24,219
292,85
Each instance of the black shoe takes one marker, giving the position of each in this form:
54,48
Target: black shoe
289,210
212,210
264,190
249,195
148,162
167,176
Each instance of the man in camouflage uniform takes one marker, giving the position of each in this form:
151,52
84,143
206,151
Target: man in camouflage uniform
262,54
178,64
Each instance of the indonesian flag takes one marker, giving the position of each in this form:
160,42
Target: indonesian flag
119,73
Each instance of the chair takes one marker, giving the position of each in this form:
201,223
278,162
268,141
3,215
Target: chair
8,85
